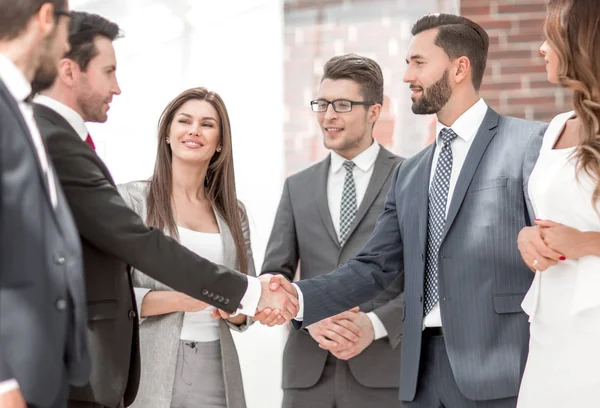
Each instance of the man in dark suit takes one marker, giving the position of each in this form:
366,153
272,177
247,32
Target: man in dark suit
42,303
113,236
326,214
450,222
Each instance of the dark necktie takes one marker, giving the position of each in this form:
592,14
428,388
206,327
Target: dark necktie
438,197
90,142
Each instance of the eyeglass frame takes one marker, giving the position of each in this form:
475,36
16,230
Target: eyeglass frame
352,103
62,12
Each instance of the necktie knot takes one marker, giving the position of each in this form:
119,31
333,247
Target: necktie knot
349,165
447,135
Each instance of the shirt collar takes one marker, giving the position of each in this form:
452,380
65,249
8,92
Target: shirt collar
467,124
364,160
13,78
71,116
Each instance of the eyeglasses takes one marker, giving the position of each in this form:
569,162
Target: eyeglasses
339,105
62,12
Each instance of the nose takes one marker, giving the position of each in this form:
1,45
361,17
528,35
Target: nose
543,48
408,75
330,113
116,88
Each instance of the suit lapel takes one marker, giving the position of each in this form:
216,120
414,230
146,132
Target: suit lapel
13,105
384,164
321,174
486,132
423,195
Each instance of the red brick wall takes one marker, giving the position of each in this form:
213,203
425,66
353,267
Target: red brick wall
515,82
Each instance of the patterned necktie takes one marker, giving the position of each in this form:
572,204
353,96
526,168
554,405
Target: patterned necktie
90,142
438,197
348,207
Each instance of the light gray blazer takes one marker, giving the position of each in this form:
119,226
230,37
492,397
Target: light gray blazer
159,335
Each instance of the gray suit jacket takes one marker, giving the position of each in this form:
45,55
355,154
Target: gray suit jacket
303,233
43,315
159,335
482,279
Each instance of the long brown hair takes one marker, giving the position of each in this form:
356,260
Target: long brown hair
573,30
219,183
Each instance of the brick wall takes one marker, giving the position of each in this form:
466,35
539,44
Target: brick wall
515,82
315,30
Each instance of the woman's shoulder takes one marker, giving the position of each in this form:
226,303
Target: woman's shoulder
555,127
134,191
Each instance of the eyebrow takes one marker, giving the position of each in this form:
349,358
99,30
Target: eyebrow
191,117
414,57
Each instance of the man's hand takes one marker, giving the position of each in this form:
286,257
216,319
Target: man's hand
12,399
536,254
338,332
367,334
278,300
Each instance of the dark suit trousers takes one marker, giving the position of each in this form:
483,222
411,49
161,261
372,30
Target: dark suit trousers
337,388
437,388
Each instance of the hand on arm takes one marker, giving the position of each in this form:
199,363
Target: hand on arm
534,251
569,242
338,332
366,336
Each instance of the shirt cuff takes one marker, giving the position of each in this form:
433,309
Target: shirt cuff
249,302
8,385
378,327
140,294
300,316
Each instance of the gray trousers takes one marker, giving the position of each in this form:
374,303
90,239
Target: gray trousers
437,387
337,388
199,379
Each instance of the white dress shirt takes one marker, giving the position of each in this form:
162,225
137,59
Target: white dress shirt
19,88
362,172
465,127
72,117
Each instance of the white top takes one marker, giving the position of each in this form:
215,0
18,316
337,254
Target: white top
465,127
71,116
19,88
362,172
572,286
197,326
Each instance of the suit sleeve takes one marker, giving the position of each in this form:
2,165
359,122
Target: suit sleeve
390,315
377,264
281,256
107,223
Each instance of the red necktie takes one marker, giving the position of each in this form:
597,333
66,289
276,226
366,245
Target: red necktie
90,142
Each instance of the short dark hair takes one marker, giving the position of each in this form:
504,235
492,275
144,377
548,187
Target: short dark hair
16,14
458,36
362,70
83,30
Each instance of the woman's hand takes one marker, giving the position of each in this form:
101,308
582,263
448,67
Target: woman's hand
534,251
570,242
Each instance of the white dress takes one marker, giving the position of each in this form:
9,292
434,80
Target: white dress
563,303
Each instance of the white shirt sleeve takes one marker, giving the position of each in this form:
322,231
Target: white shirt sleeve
378,327
140,294
249,302
300,316
8,385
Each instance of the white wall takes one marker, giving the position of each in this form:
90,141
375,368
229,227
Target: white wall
236,49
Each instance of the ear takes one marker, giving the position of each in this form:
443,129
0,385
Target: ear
45,19
65,71
373,113
462,70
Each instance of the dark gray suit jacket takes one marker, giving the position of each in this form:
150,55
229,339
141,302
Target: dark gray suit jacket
303,233
482,279
42,295
115,238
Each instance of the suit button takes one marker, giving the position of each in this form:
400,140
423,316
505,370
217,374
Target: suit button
220,299
421,299
205,292
340,265
59,260
132,314
226,301
210,294
61,304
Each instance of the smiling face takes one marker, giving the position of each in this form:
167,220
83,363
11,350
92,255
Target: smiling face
427,74
194,133
347,133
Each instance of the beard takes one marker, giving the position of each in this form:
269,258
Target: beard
434,97
47,70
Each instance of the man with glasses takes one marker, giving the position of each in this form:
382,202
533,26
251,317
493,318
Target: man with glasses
327,212
42,295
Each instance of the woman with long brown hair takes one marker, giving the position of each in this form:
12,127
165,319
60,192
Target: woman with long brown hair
563,302
188,357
